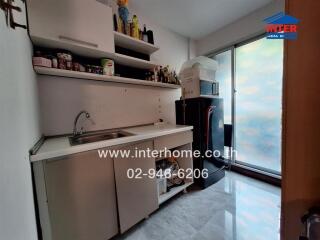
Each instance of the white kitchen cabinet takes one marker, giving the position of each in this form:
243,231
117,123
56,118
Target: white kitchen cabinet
84,27
137,197
173,140
81,197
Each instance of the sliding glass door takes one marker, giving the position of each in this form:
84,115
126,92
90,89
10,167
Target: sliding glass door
250,77
258,103
224,77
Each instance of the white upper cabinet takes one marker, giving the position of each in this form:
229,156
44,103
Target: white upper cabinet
84,27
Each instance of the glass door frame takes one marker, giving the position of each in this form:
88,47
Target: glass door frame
234,161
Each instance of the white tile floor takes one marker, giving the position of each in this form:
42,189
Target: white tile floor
236,208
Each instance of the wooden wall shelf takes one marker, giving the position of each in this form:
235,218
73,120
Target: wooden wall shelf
97,77
131,43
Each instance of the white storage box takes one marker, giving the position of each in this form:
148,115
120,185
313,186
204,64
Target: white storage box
198,78
197,72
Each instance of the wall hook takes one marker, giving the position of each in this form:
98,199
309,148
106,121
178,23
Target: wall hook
8,8
6,12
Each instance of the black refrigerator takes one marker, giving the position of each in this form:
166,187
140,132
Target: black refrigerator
206,117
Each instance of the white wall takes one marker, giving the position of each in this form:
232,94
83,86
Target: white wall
192,49
19,130
113,105
244,28
110,105
173,47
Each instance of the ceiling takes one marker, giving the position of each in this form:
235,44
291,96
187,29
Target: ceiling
196,18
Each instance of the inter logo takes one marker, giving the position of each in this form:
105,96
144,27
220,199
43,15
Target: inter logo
281,26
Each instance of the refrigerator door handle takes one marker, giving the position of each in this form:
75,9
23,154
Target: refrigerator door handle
209,112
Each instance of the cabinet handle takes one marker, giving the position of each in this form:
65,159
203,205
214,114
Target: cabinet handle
78,41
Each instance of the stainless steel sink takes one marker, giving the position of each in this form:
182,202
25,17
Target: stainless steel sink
96,137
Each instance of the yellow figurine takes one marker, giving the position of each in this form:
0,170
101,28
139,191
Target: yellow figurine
135,27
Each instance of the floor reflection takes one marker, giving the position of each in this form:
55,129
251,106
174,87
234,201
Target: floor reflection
256,213
236,208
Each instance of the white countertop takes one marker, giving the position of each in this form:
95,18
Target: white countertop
60,146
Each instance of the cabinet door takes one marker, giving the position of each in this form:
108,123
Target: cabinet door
81,197
137,197
82,23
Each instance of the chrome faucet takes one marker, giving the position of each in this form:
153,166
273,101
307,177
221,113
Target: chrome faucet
75,131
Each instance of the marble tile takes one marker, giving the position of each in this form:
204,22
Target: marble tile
235,208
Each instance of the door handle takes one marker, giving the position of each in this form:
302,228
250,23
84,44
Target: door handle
208,115
78,41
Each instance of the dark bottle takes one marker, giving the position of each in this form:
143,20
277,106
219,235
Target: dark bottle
161,75
115,22
145,34
150,36
158,74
